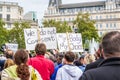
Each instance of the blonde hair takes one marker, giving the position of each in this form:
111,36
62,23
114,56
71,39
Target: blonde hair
8,63
90,58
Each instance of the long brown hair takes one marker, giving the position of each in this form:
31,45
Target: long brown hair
8,63
20,59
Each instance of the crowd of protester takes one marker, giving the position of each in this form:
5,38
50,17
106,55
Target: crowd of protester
53,65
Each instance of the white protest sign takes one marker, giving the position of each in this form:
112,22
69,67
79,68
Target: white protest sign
72,42
62,42
11,46
48,36
75,41
31,38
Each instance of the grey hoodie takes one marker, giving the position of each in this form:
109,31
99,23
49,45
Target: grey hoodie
69,72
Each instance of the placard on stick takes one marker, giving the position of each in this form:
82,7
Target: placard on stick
74,45
31,38
48,36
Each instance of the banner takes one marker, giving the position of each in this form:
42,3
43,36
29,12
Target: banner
48,36
31,38
70,42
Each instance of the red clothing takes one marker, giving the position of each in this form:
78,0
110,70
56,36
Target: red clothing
44,66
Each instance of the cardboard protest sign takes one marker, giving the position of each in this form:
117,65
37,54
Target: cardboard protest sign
31,38
13,47
48,36
69,42
62,42
45,35
75,41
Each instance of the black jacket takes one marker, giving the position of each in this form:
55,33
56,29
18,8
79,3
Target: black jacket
94,64
109,69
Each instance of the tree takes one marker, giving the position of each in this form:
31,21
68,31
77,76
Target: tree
61,27
3,33
86,27
17,33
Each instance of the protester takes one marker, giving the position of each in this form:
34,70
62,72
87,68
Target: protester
89,58
8,55
69,71
8,63
59,64
44,66
99,57
83,62
109,69
20,71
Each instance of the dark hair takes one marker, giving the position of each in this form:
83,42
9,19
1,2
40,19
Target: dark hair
111,42
9,54
69,56
20,59
40,49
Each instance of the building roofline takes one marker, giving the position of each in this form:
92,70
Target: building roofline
84,4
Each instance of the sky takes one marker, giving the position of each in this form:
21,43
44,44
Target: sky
39,6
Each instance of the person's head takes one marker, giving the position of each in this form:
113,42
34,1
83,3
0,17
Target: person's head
40,49
89,58
9,54
111,44
69,57
8,63
59,58
82,59
20,59
99,52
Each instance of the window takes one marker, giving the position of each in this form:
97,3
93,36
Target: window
69,19
101,33
96,25
96,17
8,17
0,8
8,25
0,16
111,25
106,25
8,9
100,17
114,25
100,25
110,16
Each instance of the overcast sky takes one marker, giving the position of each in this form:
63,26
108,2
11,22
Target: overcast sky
39,6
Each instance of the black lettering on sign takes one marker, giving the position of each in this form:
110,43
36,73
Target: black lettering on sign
51,31
63,46
31,41
48,39
30,33
42,32
75,39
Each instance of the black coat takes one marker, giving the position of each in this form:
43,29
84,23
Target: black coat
94,64
109,69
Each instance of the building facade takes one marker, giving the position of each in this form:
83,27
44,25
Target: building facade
105,13
11,12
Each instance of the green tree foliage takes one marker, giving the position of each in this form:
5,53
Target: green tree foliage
61,27
86,27
3,33
17,33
